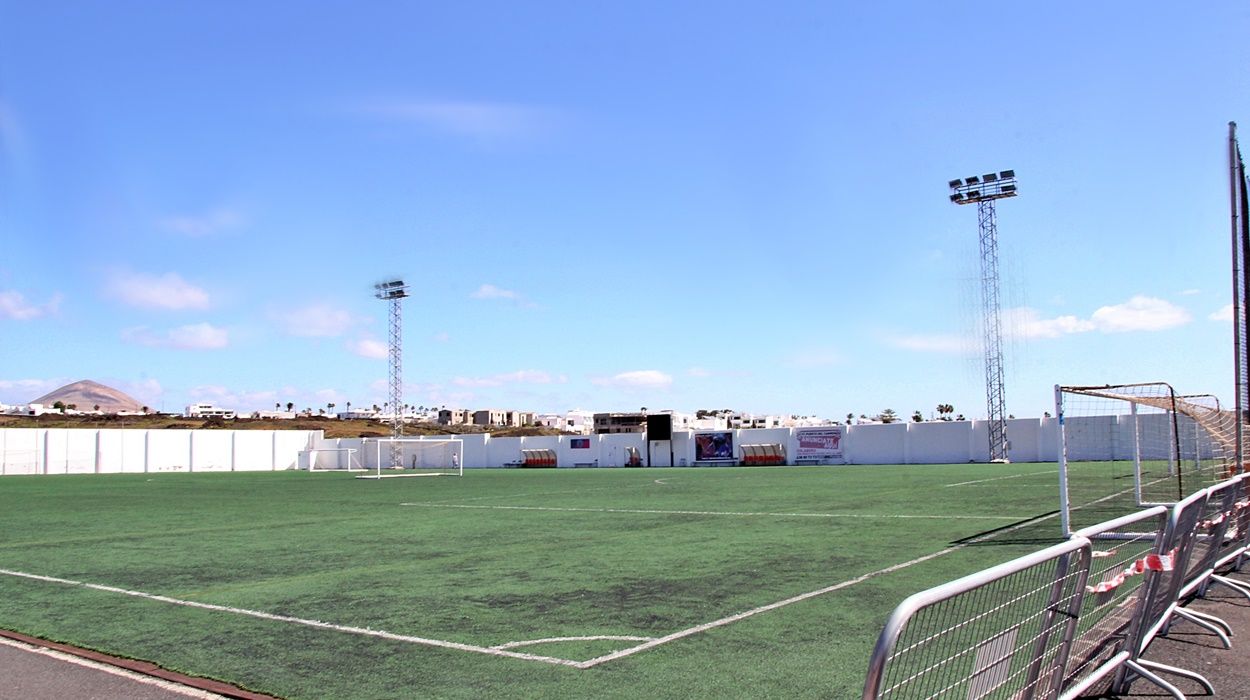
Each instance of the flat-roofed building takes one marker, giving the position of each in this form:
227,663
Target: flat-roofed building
608,423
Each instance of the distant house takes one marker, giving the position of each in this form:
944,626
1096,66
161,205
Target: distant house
455,416
632,422
274,415
207,410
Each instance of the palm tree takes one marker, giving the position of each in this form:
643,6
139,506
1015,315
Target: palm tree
277,406
917,417
290,406
96,408
145,410
850,418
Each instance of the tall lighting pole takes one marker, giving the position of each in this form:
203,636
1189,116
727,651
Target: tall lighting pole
984,191
394,292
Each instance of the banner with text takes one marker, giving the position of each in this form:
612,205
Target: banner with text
818,443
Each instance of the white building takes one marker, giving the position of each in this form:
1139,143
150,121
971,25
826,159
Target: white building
207,410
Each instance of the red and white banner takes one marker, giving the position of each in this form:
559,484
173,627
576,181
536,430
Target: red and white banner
818,443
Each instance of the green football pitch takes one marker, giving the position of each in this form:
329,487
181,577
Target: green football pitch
606,583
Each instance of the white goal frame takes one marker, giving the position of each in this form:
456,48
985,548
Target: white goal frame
374,447
348,454
1189,441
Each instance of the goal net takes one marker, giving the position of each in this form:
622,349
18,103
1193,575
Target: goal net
389,457
1123,447
334,459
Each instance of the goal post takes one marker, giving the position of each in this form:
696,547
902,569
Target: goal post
1127,446
334,459
417,457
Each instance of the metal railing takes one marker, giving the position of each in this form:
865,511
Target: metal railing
1071,618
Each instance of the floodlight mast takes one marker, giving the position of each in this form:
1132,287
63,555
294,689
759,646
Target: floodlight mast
394,292
984,190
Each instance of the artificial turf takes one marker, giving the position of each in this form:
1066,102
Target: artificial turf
506,556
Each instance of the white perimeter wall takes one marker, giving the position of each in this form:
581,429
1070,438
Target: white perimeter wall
75,451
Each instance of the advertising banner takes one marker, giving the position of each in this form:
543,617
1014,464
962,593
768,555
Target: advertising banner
714,447
818,443
579,444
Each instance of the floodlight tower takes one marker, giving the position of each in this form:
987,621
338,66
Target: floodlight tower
985,190
394,291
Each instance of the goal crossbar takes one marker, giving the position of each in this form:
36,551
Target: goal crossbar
416,457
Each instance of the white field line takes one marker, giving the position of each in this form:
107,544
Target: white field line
113,670
381,634
801,597
642,511
1000,478
594,638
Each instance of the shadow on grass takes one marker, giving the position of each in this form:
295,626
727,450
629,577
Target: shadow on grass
1041,529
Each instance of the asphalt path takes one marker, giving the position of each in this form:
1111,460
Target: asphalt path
29,672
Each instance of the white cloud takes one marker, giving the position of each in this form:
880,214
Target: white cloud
442,337
483,120
18,391
13,306
1141,313
149,390
317,321
370,348
699,372
168,291
196,336
1224,313
329,396
525,376
1190,292
1027,323
640,379
214,222
490,291
230,398
939,343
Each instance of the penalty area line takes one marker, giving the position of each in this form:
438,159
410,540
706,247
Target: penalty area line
801,597
1000,478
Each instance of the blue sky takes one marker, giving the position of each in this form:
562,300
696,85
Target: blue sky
609,206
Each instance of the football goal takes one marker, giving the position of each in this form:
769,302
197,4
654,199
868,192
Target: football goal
1123,447
391,457
334,459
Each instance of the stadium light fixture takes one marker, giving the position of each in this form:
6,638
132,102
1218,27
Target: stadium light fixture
984,188
394,291
390,289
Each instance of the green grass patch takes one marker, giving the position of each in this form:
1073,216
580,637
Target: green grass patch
502,557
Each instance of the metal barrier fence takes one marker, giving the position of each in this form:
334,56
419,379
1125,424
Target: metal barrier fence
1000,633
1115,597
1072,618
